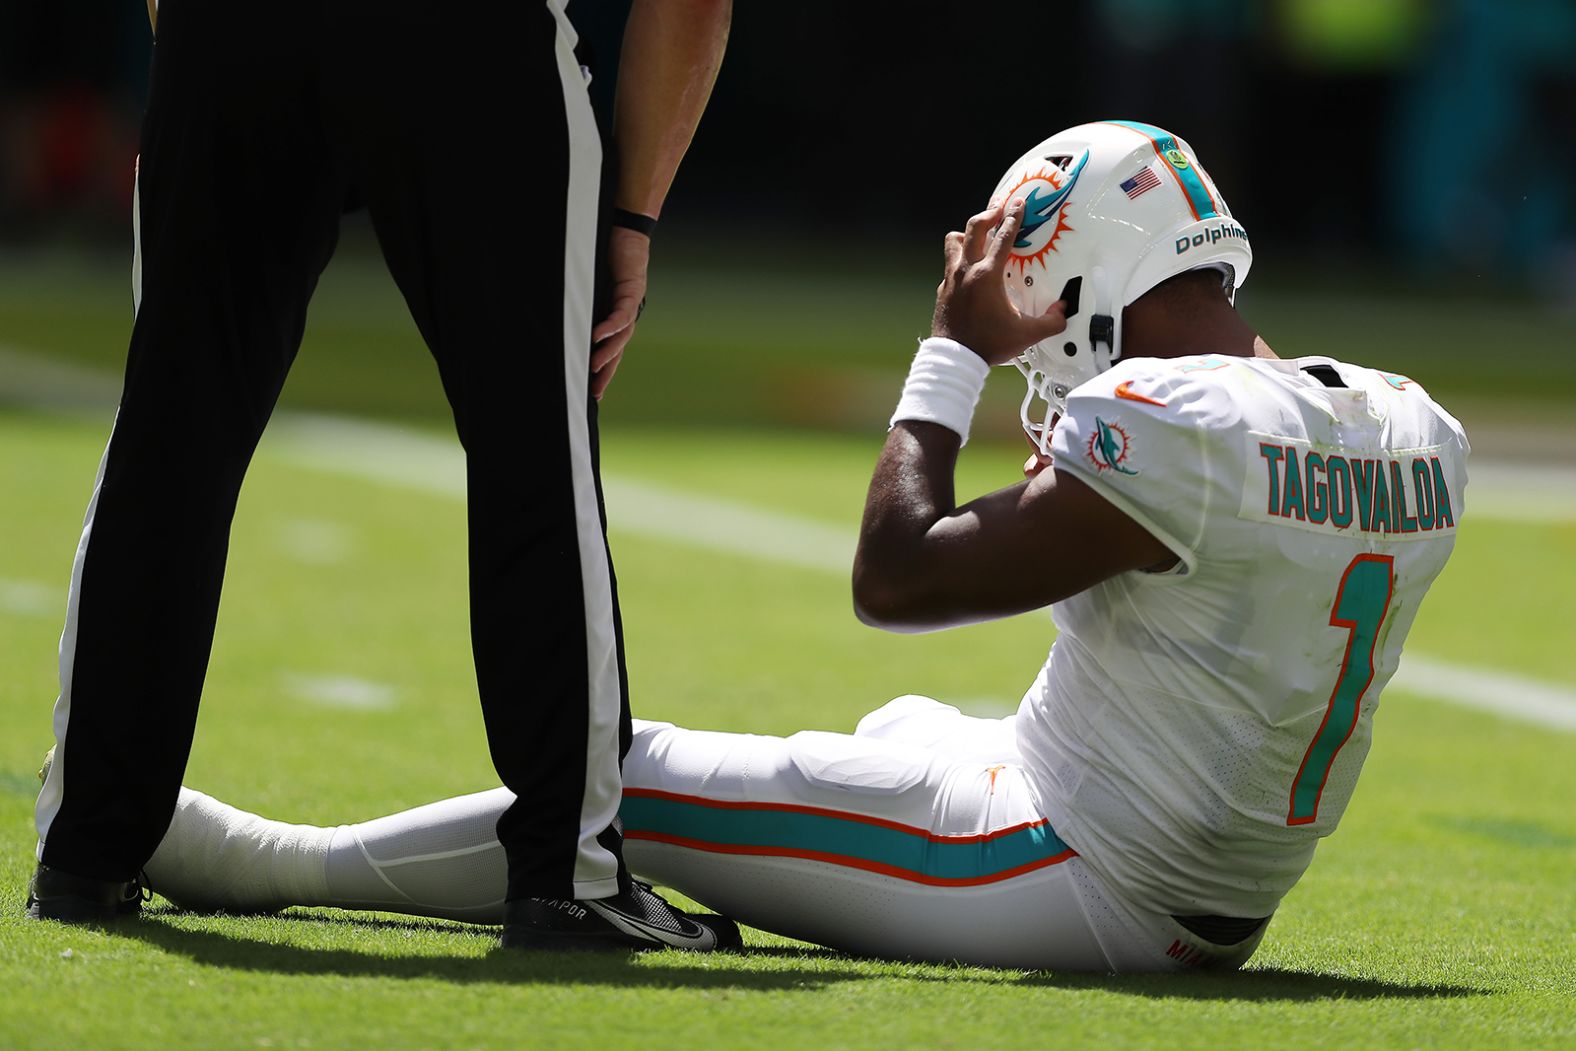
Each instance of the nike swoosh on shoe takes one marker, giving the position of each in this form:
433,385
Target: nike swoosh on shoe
690,935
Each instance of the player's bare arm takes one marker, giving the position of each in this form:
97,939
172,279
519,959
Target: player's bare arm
924,562
672,51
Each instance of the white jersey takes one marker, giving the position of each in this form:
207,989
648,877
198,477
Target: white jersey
1197,731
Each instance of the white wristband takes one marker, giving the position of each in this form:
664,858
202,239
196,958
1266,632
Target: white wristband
943,386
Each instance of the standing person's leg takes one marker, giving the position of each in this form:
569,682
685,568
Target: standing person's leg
237,215
472,133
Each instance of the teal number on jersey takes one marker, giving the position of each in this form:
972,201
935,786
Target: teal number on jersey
1361,603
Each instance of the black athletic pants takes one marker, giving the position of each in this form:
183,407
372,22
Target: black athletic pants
465,128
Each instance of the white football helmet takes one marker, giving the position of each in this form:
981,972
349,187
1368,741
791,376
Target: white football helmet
1111,209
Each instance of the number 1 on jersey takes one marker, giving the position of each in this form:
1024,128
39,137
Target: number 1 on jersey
1361,603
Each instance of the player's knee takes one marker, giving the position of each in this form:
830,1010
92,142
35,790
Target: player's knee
878,722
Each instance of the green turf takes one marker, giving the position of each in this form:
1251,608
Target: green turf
1440,915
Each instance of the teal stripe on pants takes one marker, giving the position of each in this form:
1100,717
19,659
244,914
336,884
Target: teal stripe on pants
846,836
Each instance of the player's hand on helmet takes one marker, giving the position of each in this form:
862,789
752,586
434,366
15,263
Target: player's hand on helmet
971,303
628,256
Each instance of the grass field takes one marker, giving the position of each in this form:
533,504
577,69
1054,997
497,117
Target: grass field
1442,914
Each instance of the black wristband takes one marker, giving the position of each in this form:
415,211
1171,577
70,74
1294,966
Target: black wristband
643,224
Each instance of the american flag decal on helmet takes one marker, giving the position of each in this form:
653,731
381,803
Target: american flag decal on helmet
1141,183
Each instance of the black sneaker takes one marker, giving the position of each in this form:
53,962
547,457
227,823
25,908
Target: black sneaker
56,895
636,918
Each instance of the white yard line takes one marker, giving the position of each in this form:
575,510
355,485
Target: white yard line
315,541
1487,689
340,691
424,462
1511,492
1499,490
29,598
416,460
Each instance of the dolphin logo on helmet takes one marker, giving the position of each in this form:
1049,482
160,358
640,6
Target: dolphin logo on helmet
1045,192
1037,210
1123,247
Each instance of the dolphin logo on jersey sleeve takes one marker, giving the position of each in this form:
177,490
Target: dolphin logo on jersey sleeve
1109,447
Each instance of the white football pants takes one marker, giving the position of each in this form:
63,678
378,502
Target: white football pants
919,836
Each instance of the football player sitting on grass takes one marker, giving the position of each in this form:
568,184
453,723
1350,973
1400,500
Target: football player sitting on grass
1234,547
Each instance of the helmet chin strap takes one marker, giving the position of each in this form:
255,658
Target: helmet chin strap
1102,329
1102,326
1041,385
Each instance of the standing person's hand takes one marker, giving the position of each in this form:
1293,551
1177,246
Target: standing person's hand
666,68
628,255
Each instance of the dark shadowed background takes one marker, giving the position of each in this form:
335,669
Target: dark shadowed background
1404,168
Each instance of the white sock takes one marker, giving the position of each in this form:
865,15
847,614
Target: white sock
442,859
217,857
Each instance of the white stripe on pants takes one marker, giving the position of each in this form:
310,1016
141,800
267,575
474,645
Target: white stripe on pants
596,869
49,799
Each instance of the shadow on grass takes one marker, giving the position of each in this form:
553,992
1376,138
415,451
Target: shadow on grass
1255,984
501,966
770,967
1267,984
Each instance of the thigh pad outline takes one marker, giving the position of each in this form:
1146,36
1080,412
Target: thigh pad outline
857,764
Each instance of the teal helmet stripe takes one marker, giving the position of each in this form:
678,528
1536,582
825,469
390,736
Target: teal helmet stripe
1198,195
